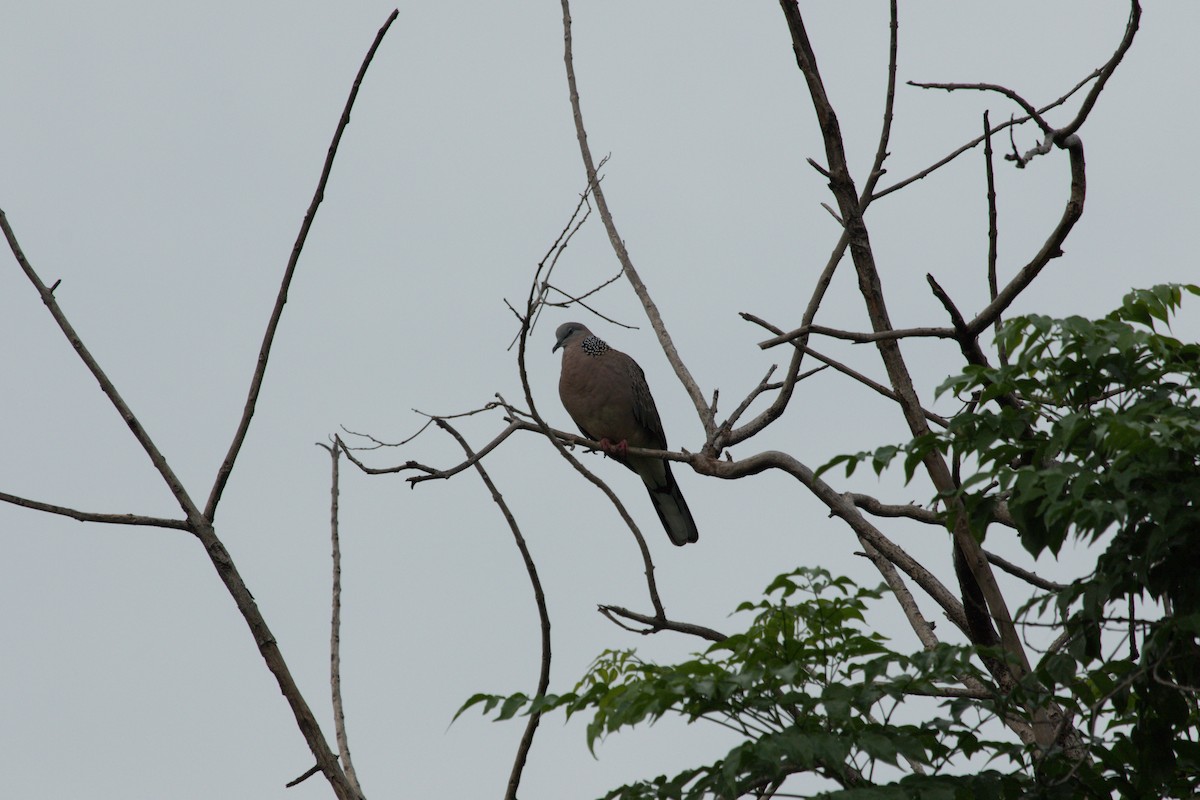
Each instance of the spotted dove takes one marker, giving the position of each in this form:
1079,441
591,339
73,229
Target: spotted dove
605,392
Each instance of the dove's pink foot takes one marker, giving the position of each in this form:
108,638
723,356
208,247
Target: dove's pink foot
618,450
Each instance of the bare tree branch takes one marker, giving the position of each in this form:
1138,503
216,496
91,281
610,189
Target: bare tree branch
88,516
1024,574
1030,111
335,626
870,286
1052,248
264,352
656,624
106,385
514,779
909,510
993,228
643,294
1105,72
881,152
856,336
842,368
727,435
925,173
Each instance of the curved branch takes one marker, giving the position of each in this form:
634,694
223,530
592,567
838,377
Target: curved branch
1051,249
540,424
1106,71
843,508
514,779
643,294
925,173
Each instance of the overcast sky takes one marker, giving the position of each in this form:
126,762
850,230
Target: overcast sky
157,158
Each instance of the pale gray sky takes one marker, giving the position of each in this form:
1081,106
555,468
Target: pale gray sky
158,159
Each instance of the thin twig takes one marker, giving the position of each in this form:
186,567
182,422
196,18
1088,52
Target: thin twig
264,351
727,435
881,152
858,337
993,229
925,173
655,624
842,368
106,385
89,516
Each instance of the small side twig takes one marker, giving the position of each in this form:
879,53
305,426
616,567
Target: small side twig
89,516
655,624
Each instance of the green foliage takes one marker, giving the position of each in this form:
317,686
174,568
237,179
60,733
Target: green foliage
1091,431
806,689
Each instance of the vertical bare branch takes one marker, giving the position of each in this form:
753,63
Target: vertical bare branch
264,352
335,623
993,230
660,329
881,153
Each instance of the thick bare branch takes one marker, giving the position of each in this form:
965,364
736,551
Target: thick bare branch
908,510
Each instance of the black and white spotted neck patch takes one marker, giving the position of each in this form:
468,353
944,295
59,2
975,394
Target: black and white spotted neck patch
594,346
